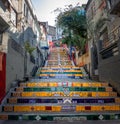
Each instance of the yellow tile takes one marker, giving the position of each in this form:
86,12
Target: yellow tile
112,94
8,108
100,94
27,94
56,108
39,108
96,108
42,108
76,84
31,85
43,84
16,94
52,84
83,94
19,89
96,84
22,108
12,100
85,85
78,75
80,108
109,89
117,100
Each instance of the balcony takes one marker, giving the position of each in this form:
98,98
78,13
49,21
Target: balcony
115,7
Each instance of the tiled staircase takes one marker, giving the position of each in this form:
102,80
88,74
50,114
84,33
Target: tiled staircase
60,92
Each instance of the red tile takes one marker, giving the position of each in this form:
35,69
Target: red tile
48,107
87,107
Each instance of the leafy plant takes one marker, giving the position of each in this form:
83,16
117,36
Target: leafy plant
28,48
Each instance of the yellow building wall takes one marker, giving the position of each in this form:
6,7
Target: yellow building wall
83,60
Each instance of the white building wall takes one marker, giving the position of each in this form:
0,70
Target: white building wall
15,66
14,58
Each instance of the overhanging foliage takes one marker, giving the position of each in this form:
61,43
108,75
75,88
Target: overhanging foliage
73,22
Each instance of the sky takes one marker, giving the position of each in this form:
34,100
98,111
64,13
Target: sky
44,8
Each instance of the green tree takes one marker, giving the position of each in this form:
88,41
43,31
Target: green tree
73,22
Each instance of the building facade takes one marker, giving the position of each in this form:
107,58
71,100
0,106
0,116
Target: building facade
104,45
95,13
18,25
44,39
52,32
109,50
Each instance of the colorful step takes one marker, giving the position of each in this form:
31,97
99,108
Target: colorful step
59,108
62,100
58,72
23,108
61,117
57,68
55,89
56,84
66,75
64,94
